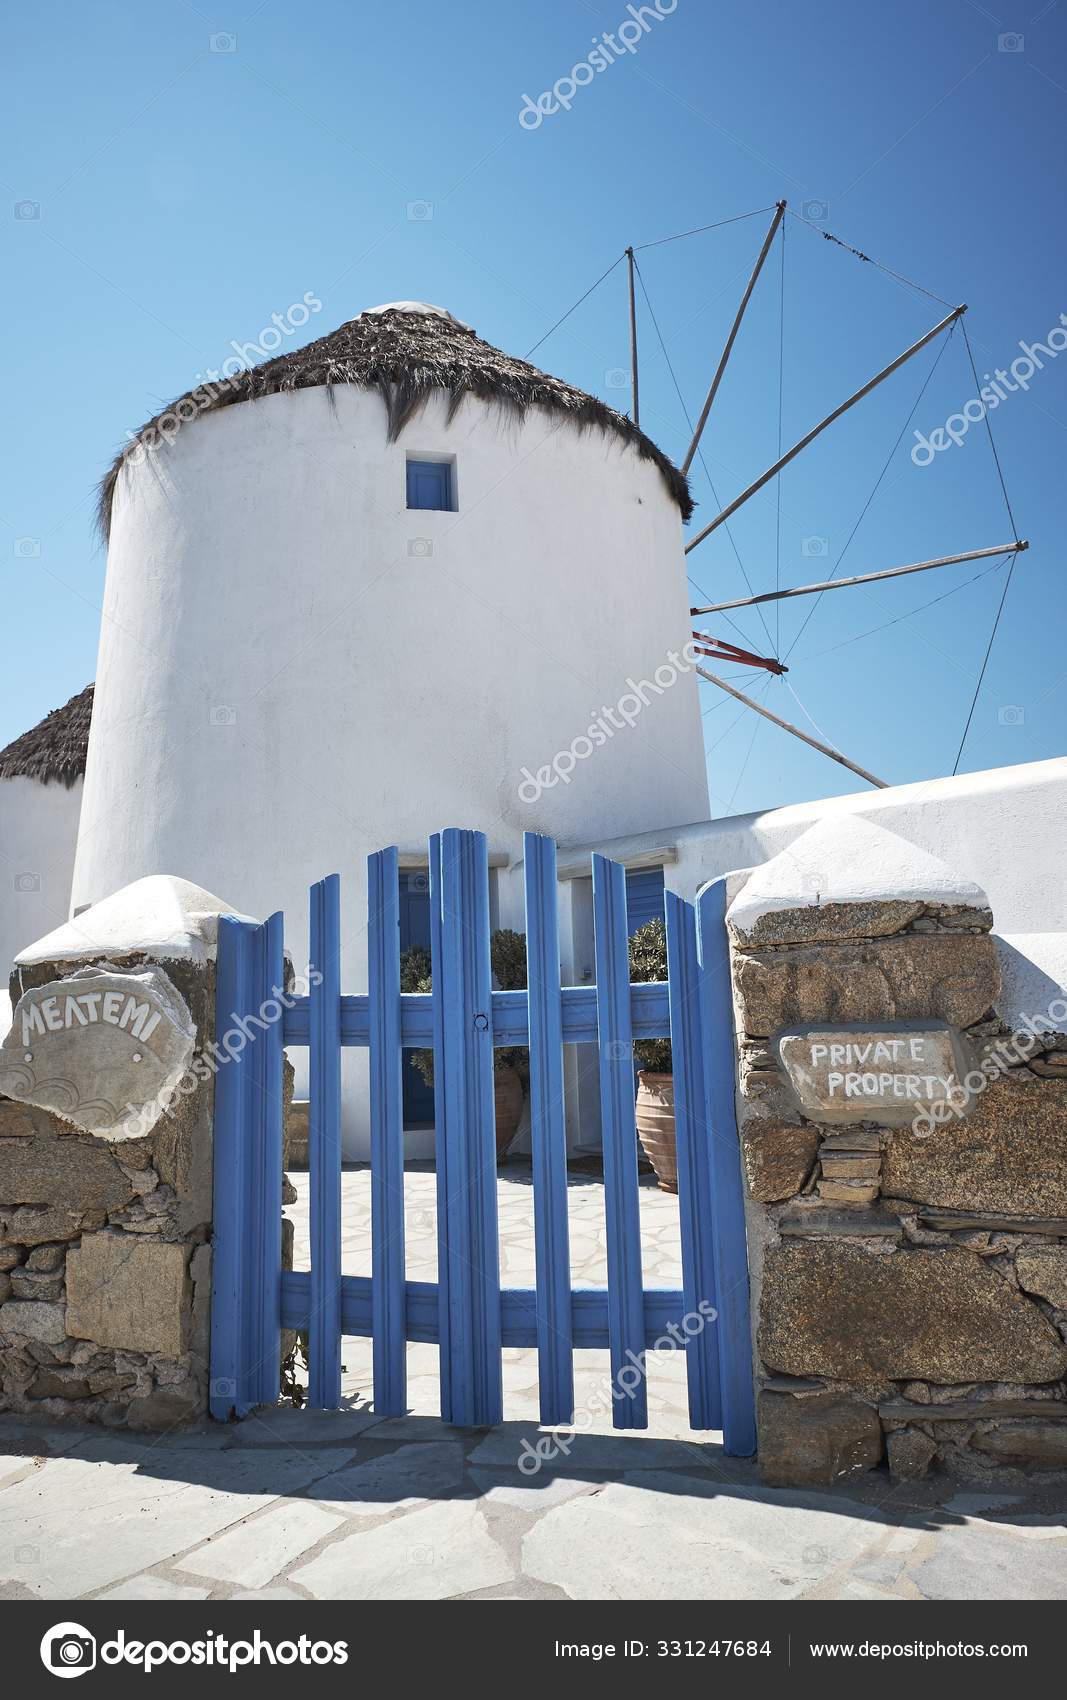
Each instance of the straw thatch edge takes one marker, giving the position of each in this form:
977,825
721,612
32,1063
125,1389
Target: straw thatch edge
53,751
405,357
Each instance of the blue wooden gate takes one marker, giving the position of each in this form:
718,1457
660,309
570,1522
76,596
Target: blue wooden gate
466,1311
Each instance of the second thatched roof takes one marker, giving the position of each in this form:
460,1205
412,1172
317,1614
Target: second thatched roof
406,351
54,750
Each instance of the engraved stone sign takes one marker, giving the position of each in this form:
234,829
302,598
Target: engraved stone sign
887,1075
104,1049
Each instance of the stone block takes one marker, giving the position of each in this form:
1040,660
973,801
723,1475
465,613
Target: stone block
910,1453
1009,1155
46,1259
856,1194
816,1441
815,923
37,1224
869,1318
41,1164
58,1384
43,1322
129,1292
1027,1445
29,1284
778,1158
937,976
1043,1270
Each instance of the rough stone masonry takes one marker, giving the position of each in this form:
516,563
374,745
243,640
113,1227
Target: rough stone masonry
105,1236
905,1160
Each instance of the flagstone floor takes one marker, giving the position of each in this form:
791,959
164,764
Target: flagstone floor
343,1505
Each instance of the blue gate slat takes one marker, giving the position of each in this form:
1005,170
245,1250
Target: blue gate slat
727,1197
324,1146
693,1147
386,1135
246,1275
619,1134
268,1055
555,1362
468,1257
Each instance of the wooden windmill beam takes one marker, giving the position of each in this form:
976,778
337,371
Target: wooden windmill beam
773,471
864,578
779,214
634,385
824,749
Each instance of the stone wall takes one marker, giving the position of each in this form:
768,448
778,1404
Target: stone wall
105,1249
105,1236
905,1159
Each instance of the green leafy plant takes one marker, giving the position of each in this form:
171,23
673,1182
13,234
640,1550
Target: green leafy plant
648,961
507,953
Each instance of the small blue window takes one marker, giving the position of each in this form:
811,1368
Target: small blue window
430,484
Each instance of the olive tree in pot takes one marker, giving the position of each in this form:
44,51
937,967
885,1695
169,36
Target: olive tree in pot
511,1064
655,1080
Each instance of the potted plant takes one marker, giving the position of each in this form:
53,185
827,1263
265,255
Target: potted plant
655,1080
507,951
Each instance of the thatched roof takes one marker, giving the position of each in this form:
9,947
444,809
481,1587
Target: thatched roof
54,750
406,351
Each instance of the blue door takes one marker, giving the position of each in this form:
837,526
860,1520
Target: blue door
415,929
644,898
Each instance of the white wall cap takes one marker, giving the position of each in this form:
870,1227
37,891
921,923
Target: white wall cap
847,859
165,917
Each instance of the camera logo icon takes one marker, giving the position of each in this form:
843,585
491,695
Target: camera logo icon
814,546
67,1649
817,211
1011,42
222,714
224,42
27,209
420,547
27,548
1011,714
617,378
27,882
420,211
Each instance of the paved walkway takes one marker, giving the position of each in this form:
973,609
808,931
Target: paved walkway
291,1504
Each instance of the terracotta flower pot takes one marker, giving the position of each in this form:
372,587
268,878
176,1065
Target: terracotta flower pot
508,1101
655,1125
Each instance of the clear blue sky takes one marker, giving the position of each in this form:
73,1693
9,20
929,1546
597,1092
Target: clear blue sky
186,193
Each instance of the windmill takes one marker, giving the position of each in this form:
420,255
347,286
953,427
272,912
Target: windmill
718,648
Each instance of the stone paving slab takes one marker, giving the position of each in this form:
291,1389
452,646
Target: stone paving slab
296,1504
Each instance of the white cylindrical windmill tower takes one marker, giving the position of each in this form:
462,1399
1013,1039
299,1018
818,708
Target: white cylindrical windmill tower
394,581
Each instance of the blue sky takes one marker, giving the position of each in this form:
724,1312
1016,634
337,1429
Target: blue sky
174,175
